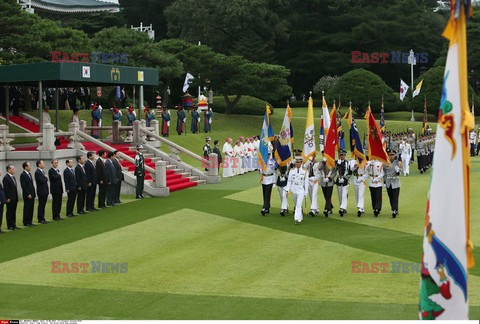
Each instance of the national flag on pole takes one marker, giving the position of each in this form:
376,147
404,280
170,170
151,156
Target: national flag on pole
325,115
382,118
188,80
417,89
309,148
266,136
322,135
425,122
376,149
283,153
332,140
403,89
355,142
447,249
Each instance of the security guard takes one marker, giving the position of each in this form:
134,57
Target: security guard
375,173
267,180
139,172
392,180
298,185
342,182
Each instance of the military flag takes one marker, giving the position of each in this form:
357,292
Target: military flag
355,142
332,140
284,152
447,249
266,135
309,148
376,149
382,118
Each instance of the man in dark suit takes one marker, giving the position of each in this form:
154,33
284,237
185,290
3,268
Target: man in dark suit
70,187
216,150
28,194
81,179
112,179
120,177
91,172
56,189
42,191
3,201
102,178
11,193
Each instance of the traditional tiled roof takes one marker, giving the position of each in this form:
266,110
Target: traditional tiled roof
76,5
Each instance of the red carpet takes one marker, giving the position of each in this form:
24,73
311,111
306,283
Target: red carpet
34,128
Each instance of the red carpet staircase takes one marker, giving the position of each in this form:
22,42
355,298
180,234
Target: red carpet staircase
177,179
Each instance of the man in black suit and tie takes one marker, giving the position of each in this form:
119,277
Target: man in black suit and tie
56,189
70,187
28,194
3,201
120,177
216,149
81,179
11,193
91,172
102,178
112,179
42,191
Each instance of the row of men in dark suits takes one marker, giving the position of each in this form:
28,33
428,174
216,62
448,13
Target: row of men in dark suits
80,185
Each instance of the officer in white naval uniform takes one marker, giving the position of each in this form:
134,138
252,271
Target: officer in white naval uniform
268,179
342,182
375,173
406,152
359,176
298,185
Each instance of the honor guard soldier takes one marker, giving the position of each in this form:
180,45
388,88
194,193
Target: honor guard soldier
406,151
139,172
207,150
327,176
282,179
342,181
375,174
268,180
392,180
421,153
298,185
312,167
359,175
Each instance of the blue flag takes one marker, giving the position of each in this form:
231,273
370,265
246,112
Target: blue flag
266,136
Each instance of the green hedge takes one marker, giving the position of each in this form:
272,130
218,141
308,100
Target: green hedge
246,105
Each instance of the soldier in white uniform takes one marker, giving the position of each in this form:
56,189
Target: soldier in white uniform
312,168
298,185
406,151
282,180
375,173
342,182
267,180
228,159
359,176
327,176
392,180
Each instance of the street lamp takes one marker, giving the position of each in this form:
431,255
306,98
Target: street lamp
412,61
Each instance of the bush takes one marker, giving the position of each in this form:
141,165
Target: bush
246,105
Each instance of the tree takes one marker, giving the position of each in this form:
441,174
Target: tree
361,87
324,84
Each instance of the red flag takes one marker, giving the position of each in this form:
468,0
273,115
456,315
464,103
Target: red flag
332,140
376,151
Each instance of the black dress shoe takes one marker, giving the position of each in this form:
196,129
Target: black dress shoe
33,224
81,212
325,212
70,215
2,232
94,209
16,227
262,212
11,228
43,222
58,219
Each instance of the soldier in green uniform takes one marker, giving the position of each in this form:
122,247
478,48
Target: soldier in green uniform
139,172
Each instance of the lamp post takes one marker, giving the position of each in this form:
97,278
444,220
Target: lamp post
412,61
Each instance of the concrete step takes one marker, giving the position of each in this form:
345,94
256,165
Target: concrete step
199,182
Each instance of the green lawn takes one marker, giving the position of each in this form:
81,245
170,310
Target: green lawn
206,253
